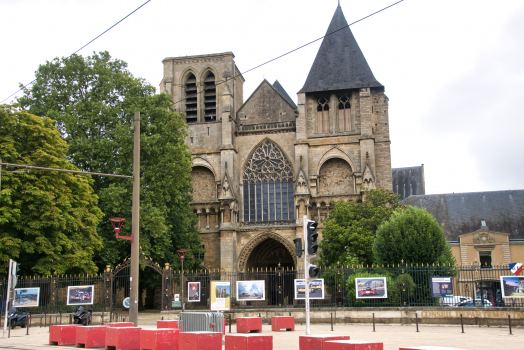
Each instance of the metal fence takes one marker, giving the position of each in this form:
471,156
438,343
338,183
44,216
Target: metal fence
406,285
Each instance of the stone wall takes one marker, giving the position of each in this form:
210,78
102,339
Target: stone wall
203,181
335,177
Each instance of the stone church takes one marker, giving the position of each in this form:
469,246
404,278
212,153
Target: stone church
259,166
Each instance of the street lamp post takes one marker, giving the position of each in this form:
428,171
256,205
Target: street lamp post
181,254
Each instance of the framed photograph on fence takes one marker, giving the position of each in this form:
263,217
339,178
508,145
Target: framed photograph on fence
193,292
512,286
371,288
220,295
27,297
316,289
251,290
80,295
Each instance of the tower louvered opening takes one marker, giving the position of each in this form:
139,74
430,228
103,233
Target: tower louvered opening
191,99
210,98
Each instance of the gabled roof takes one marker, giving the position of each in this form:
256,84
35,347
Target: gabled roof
288,100
283,92
339,63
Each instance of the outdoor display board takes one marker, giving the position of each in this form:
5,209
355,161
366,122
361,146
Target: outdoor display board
193,292
80,295
27,297
220,295
316,289
441,287
512,286
251,290
371,287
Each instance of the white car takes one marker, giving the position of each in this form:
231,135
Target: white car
454,300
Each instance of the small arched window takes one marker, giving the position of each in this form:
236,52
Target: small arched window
322,116
344,114
268,185
191,99
210,98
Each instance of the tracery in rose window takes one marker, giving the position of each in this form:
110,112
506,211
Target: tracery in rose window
268,185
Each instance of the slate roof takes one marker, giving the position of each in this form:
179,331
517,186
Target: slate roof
408,181
283,92
339,64
462,212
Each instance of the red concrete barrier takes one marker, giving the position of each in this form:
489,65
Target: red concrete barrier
317,341
91,336
123,338
428,348
119,324
249,342
249,324
352,345
63,335
159,339
200,341
279,322
167,324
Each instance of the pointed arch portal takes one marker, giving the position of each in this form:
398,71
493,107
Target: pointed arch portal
267,250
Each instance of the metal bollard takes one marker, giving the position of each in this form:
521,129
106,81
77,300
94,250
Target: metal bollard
331,322
45,321
373,322
60,318
162,318
416,320
27,325
230,323
461,323
509,324
50,321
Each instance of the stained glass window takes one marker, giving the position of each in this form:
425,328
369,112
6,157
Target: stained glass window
268,185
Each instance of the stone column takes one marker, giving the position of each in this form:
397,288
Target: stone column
207,216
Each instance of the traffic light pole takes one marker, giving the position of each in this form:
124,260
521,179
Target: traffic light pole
306,275
9,282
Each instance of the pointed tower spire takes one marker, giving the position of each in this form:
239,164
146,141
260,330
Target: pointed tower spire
339,64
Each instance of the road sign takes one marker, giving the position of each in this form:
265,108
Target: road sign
126,303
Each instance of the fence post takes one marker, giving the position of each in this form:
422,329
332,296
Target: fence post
331,322
167,287
54,293
108,285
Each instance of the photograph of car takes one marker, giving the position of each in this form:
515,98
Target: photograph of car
316,289
476,303
368,291
80,295
371,287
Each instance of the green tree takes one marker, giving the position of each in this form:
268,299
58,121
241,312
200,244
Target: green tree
93,100
48,219
412,236
350,229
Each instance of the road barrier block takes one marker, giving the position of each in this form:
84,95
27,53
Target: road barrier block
63,335
123,338
352,345
317,341
200,341
159,339
91,336
249,324
167,324
279,322
249,342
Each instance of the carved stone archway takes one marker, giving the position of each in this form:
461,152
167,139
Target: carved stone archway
261,239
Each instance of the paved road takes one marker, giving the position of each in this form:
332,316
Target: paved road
393,336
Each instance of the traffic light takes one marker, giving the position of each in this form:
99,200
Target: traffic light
313,271
15,272
17,269
312,236
298,247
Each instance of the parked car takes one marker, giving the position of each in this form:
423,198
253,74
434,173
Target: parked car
454,300
368,291
476,303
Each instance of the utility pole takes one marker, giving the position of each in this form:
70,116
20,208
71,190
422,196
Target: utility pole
135,244
7,299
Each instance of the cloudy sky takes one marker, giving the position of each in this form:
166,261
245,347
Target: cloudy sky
452,68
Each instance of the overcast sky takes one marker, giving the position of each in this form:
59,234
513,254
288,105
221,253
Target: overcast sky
453,69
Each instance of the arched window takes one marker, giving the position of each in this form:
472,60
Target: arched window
268,185
210,98
323,116
344,114
191,99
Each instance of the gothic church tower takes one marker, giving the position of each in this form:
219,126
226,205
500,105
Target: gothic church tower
259,166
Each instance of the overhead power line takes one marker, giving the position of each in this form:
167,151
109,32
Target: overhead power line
301,47
105,31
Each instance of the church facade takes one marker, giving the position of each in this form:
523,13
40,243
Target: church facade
259,166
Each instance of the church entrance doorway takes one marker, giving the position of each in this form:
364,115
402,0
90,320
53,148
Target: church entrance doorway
271,255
